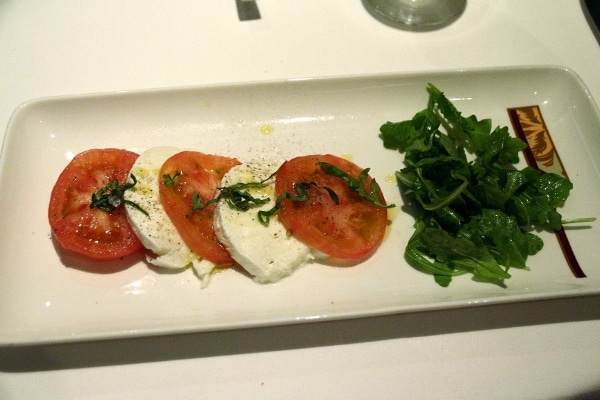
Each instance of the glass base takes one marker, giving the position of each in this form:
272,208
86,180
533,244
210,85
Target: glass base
416,15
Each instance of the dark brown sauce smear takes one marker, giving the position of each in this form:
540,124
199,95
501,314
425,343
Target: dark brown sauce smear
529,126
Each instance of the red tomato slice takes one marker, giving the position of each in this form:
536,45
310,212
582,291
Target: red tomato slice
89,231
195,173
350,230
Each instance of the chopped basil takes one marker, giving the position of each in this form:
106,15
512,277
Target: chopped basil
110,197
357,185
301,190
236,196
170,180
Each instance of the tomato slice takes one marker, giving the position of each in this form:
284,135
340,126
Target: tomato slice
94,233
195,172
350,230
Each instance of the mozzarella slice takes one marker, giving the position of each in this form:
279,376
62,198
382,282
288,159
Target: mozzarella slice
156,231
268,253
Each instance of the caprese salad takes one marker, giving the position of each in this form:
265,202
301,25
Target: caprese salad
190,209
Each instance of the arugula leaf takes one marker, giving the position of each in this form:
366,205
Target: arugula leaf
473,214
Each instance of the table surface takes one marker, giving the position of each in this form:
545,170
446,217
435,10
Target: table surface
532,350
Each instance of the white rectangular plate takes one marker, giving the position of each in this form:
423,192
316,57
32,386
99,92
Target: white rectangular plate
45,298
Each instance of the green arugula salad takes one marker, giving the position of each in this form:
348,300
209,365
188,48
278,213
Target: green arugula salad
475,212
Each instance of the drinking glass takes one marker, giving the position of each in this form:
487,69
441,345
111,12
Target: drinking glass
416,15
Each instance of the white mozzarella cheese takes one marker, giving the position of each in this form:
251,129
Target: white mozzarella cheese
156,231
268,253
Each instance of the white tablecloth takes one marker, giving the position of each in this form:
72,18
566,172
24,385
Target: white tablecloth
533,350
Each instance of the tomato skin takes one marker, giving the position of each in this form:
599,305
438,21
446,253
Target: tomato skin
91,232
351,230
198,173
